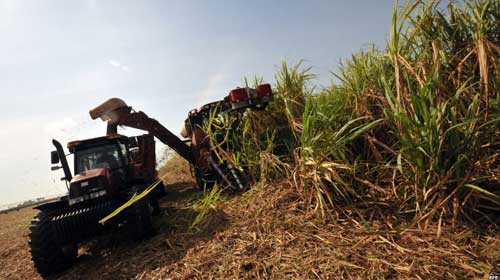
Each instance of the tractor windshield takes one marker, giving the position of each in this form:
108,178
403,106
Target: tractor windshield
110,156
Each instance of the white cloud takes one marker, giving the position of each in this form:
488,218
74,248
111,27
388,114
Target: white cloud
118,65
8,11
91,4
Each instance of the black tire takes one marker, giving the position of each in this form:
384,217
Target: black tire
155,206
139,220
48,256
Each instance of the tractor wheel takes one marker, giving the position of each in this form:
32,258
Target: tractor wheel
48,256
139,221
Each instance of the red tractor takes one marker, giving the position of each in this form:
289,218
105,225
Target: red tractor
110,170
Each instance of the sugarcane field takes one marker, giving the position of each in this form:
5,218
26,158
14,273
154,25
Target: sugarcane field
250,140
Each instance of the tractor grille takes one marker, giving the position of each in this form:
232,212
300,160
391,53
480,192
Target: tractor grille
77,225
79,189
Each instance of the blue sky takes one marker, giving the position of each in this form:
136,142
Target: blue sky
58,59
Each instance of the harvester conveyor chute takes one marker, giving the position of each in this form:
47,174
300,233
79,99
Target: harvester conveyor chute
116,112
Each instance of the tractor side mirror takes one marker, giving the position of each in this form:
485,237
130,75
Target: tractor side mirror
54,157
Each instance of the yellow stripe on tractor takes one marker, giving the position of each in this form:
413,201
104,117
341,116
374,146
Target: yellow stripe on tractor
133,200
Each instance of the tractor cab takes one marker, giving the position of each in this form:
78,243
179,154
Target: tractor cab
101,168
103,152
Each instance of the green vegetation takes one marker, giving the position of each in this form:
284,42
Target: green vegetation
412,130
210,199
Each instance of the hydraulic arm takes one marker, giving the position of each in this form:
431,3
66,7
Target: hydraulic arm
116,112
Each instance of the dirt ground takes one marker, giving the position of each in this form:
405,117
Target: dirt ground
111,256
15,259
262,234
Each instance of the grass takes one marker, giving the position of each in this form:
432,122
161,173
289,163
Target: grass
392,172
412,129
271,236
209,201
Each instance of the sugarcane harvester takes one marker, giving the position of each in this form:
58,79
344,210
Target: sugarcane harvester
112,170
